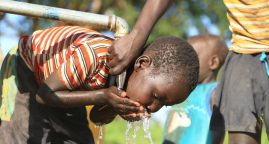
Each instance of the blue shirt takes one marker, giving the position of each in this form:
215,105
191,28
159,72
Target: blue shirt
191,118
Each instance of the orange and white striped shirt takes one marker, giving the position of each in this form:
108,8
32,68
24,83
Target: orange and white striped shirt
249,22
79,55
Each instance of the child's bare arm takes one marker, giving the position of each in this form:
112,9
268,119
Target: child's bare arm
127,48
102,114
52,92
106,114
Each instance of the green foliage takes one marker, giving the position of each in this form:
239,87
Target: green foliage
181,15
177,20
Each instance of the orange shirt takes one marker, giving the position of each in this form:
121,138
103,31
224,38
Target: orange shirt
79,55
249,23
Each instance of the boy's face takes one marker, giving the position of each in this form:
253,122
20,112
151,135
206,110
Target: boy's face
153,91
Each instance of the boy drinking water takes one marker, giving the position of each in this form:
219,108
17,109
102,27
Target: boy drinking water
188,122
59,71
162,76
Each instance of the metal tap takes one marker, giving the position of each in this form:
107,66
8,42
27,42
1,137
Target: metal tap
120,79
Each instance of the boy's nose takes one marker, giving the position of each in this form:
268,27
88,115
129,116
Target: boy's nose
154,108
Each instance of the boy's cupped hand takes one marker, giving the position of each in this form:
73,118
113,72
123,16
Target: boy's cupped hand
128,109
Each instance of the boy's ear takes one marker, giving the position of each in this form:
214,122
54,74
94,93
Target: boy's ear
143,61
214,62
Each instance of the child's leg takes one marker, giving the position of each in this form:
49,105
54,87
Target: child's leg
244,138
241,98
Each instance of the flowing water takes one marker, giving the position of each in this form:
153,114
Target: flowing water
131,130
136,125
145,121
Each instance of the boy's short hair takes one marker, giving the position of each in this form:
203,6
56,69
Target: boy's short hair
212,41
176,59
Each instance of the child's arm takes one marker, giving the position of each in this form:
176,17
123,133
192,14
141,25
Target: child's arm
127,48
52,92
102,114
105,114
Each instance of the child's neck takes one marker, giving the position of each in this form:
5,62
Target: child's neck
211,78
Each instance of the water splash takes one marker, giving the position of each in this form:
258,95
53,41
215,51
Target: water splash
136,125
145,121
129,127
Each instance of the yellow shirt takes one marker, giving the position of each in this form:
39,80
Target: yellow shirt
249,23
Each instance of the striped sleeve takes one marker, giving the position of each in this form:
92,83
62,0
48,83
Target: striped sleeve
100,75
75,70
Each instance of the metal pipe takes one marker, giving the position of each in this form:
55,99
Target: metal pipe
96,21
120,79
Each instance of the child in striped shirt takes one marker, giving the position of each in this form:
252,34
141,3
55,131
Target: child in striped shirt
61,70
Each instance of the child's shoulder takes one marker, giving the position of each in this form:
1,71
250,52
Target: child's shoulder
205,88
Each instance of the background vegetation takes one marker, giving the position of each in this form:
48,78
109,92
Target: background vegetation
177,21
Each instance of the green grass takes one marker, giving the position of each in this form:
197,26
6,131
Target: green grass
264,139
115,133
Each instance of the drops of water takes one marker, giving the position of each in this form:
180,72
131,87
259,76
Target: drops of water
128,130
136,125
145,121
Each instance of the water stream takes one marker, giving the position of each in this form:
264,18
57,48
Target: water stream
136,125
131,131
